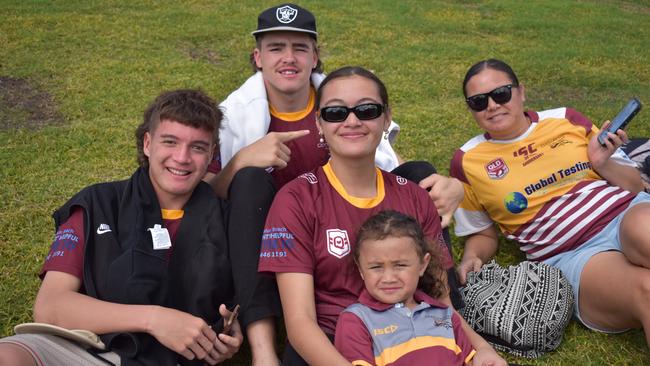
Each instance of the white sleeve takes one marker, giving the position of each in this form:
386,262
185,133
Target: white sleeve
470,222
385,157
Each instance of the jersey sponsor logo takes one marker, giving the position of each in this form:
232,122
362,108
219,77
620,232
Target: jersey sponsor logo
387,330
442,322
401,181
575,172
338,242
528,153
64,240
286,14
276,242
515,202
497,169
556,142
542,183
532,158
310,177
559,142
103,229
525,151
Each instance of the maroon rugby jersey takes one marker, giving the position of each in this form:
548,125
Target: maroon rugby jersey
307,152
312,226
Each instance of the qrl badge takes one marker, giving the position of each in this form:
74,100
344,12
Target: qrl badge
497,169
286,14
338,243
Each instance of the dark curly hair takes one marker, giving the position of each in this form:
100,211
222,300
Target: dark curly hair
389,223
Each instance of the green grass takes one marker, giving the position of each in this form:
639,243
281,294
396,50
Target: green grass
102,62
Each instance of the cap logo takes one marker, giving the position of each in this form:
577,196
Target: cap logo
286,14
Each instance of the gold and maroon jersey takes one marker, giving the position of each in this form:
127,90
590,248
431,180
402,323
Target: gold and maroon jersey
540,188
312,226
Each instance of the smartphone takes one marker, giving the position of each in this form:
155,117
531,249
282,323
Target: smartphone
621,120
227,324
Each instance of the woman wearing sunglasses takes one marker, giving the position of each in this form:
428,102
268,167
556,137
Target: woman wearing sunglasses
544,179
312,223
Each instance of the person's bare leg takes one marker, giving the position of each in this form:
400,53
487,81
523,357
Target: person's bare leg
615,294
14,355
635,234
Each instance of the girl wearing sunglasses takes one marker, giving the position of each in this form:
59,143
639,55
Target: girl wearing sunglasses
547,183
312,223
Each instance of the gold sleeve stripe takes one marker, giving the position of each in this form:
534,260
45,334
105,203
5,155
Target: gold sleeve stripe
470,357
392,354
360,363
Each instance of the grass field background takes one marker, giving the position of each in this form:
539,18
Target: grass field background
75,77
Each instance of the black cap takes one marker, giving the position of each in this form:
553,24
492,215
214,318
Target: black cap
286,17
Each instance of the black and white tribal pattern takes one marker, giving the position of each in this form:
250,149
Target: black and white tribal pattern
520,309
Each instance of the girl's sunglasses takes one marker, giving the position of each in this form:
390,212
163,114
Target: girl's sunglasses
500,95
363,112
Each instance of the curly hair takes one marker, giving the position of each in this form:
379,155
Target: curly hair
389,223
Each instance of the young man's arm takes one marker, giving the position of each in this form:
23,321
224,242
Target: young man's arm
58,302
269,151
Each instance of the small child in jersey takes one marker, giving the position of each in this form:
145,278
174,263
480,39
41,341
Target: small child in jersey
397,321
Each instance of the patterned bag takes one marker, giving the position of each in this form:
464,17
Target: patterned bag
520,309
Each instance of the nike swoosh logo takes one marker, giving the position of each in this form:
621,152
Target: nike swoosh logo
100,232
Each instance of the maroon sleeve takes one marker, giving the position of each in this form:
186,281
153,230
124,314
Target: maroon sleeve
353,341
456,167
287,240
430,221
579,119
67,249
466,348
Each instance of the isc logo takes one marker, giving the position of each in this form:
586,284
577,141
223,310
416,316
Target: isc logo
525,151
388,330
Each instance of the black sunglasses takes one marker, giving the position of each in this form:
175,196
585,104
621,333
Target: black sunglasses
500,95
339,113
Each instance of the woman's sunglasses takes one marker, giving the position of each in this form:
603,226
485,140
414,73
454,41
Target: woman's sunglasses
363,112
500,95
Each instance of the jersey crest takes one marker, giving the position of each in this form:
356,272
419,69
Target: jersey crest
401,181
497,169
338,242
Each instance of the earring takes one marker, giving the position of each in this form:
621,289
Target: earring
321,139
386,135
